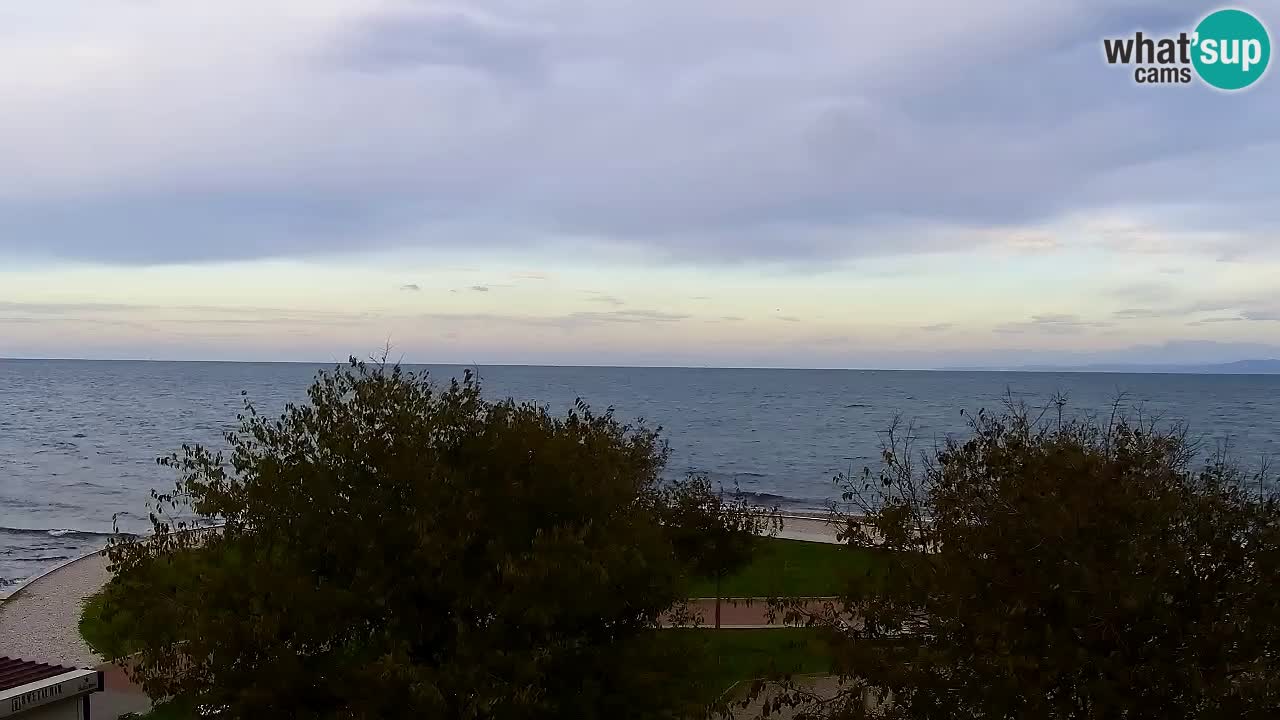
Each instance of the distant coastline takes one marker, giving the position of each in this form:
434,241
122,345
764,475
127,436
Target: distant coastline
1240,367
1268,366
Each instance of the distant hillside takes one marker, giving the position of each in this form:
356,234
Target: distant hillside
1240,367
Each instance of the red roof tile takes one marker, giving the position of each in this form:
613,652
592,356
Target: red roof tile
15,672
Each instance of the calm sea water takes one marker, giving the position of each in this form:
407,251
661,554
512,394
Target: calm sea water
78,439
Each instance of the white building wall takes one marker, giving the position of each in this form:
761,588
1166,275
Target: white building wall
71,709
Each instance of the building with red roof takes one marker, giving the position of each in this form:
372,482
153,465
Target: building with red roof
39,691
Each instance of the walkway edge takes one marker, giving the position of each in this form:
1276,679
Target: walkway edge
33,580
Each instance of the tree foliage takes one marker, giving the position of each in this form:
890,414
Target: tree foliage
393,549
1077,569
713,532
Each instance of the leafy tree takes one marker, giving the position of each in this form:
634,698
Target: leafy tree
1077,569
715,533
391,549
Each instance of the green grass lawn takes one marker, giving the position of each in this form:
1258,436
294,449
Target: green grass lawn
791,568
743,655
733,656
93,624
107,635
780,568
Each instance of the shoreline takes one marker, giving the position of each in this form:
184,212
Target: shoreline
805,524
41,618
809,528
27,582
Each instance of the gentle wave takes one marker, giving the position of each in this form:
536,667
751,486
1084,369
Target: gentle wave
56,532
765,498
781,434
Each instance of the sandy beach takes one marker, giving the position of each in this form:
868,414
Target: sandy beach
812,528
41,620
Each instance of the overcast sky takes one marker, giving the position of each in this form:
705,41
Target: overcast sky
805,183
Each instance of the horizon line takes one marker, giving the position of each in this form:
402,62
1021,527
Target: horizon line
1115,368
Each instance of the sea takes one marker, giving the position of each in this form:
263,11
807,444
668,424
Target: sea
79,439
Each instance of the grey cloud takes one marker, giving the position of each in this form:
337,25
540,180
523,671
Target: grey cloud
265,316
412,287
1055,319
566,121
480,288
47,321
41,308
405,40
788,318
1216,320
1262,315
1054,323
1251,308
937,327
96,311
1215,305
199,332
1139,313
162,321
566,321
604,299
628,316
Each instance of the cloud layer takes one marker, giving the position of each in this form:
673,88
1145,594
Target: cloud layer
711,133
814,183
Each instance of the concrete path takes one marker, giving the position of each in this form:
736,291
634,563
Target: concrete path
750,613
740,613
819,687
41,621
808,527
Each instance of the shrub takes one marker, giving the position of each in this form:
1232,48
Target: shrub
393,549
1062,570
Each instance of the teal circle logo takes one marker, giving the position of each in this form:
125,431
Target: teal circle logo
1231,50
